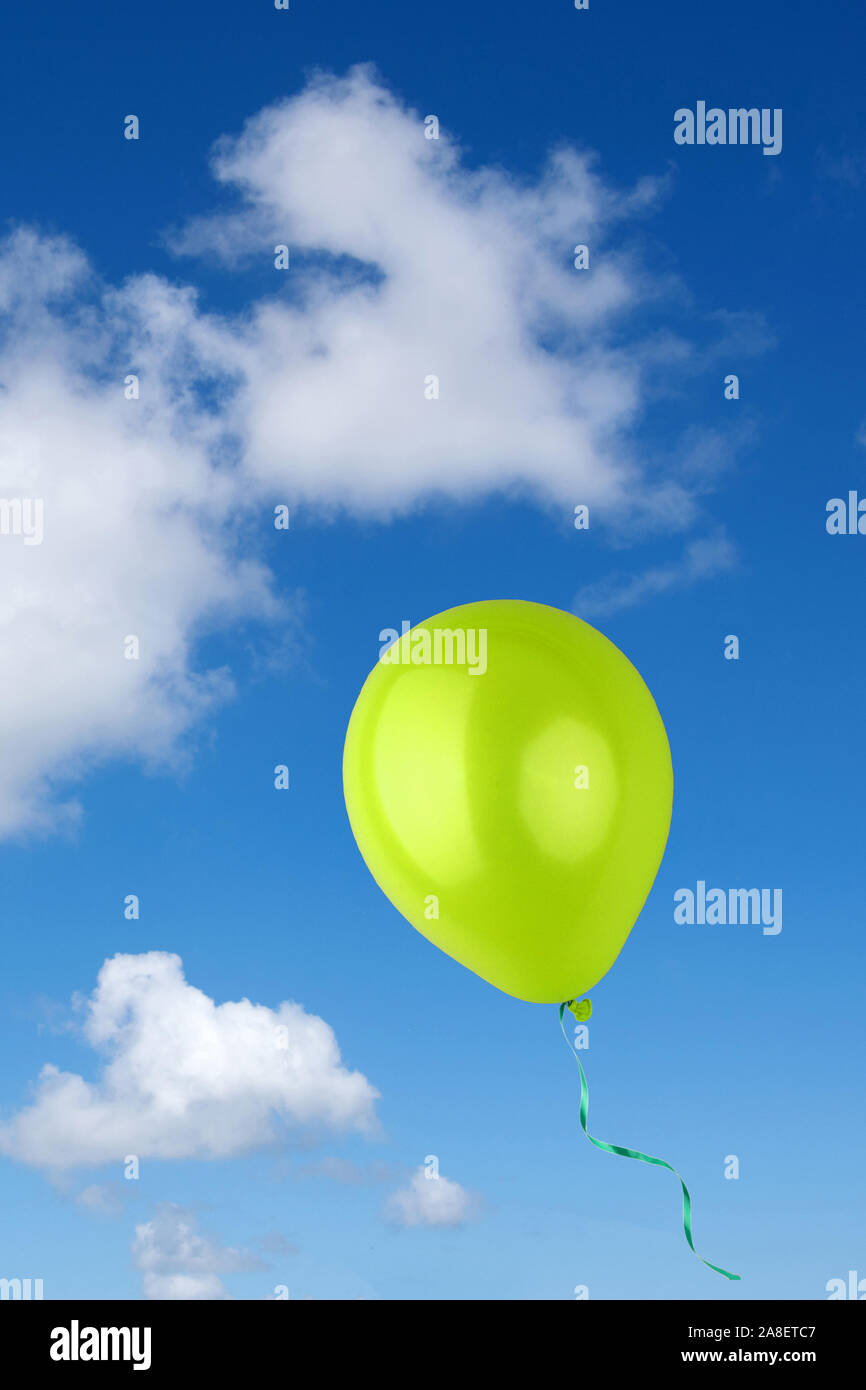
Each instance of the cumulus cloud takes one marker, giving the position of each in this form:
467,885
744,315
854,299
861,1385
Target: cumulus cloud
185,1077
420,266
407,264
701,559
430,1201
177,1262
135,540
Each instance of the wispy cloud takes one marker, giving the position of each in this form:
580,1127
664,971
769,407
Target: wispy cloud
846,167
701,559
345,1171
104,1199
178,1263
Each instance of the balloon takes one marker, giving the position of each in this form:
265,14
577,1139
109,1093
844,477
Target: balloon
508,780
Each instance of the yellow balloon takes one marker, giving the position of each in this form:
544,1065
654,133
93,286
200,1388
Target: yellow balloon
508,781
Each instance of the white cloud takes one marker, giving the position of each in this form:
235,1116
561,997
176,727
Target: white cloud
406,263
465,274
185,1077
430,1201
177,1262
701,559
136,540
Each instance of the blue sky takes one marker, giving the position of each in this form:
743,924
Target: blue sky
705,1041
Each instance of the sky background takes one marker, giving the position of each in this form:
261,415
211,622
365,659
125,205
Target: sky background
705,1041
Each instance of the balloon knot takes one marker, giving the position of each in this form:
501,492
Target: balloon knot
582,1010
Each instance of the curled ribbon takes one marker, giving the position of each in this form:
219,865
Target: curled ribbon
630,1153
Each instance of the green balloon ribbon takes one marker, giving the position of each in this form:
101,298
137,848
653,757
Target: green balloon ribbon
630,1153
